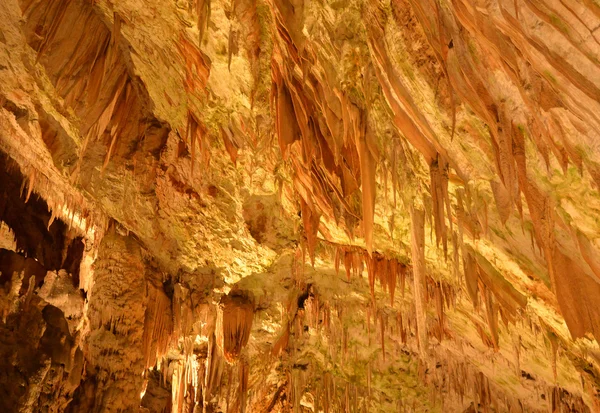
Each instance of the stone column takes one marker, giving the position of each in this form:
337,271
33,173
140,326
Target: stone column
114,347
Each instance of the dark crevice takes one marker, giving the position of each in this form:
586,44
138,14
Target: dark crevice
39,247
11,262
29,220
73,258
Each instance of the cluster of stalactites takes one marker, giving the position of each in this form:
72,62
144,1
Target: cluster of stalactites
389,272
332,149
461,379
330,393
202,379
379,268
187,379
390,329
72,208
234,323
158,326
440,196
499,296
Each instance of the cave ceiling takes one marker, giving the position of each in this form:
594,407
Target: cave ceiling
299,206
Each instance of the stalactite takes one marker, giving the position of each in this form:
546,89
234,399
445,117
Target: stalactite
178,384
371,273
394,168
401,328
182,311
367,173
158,326
348,259
287,126
229,385
574,285
311,221
368,313
439,305
213,371
517,351
485,338
327,385
455,256
234,323
368,379
357,263
382,271
231,144
471,277
384,172
403,269
282,342
393,275
244,372
30,185
507,296
382,324
485,224
345,341
439,195
491,309
53,216
419,288
192,136
502,199
123,90
554,344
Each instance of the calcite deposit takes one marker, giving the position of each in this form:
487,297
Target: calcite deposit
299,206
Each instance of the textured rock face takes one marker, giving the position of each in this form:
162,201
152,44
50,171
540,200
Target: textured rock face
293,205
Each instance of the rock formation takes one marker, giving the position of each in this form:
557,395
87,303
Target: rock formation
299,206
